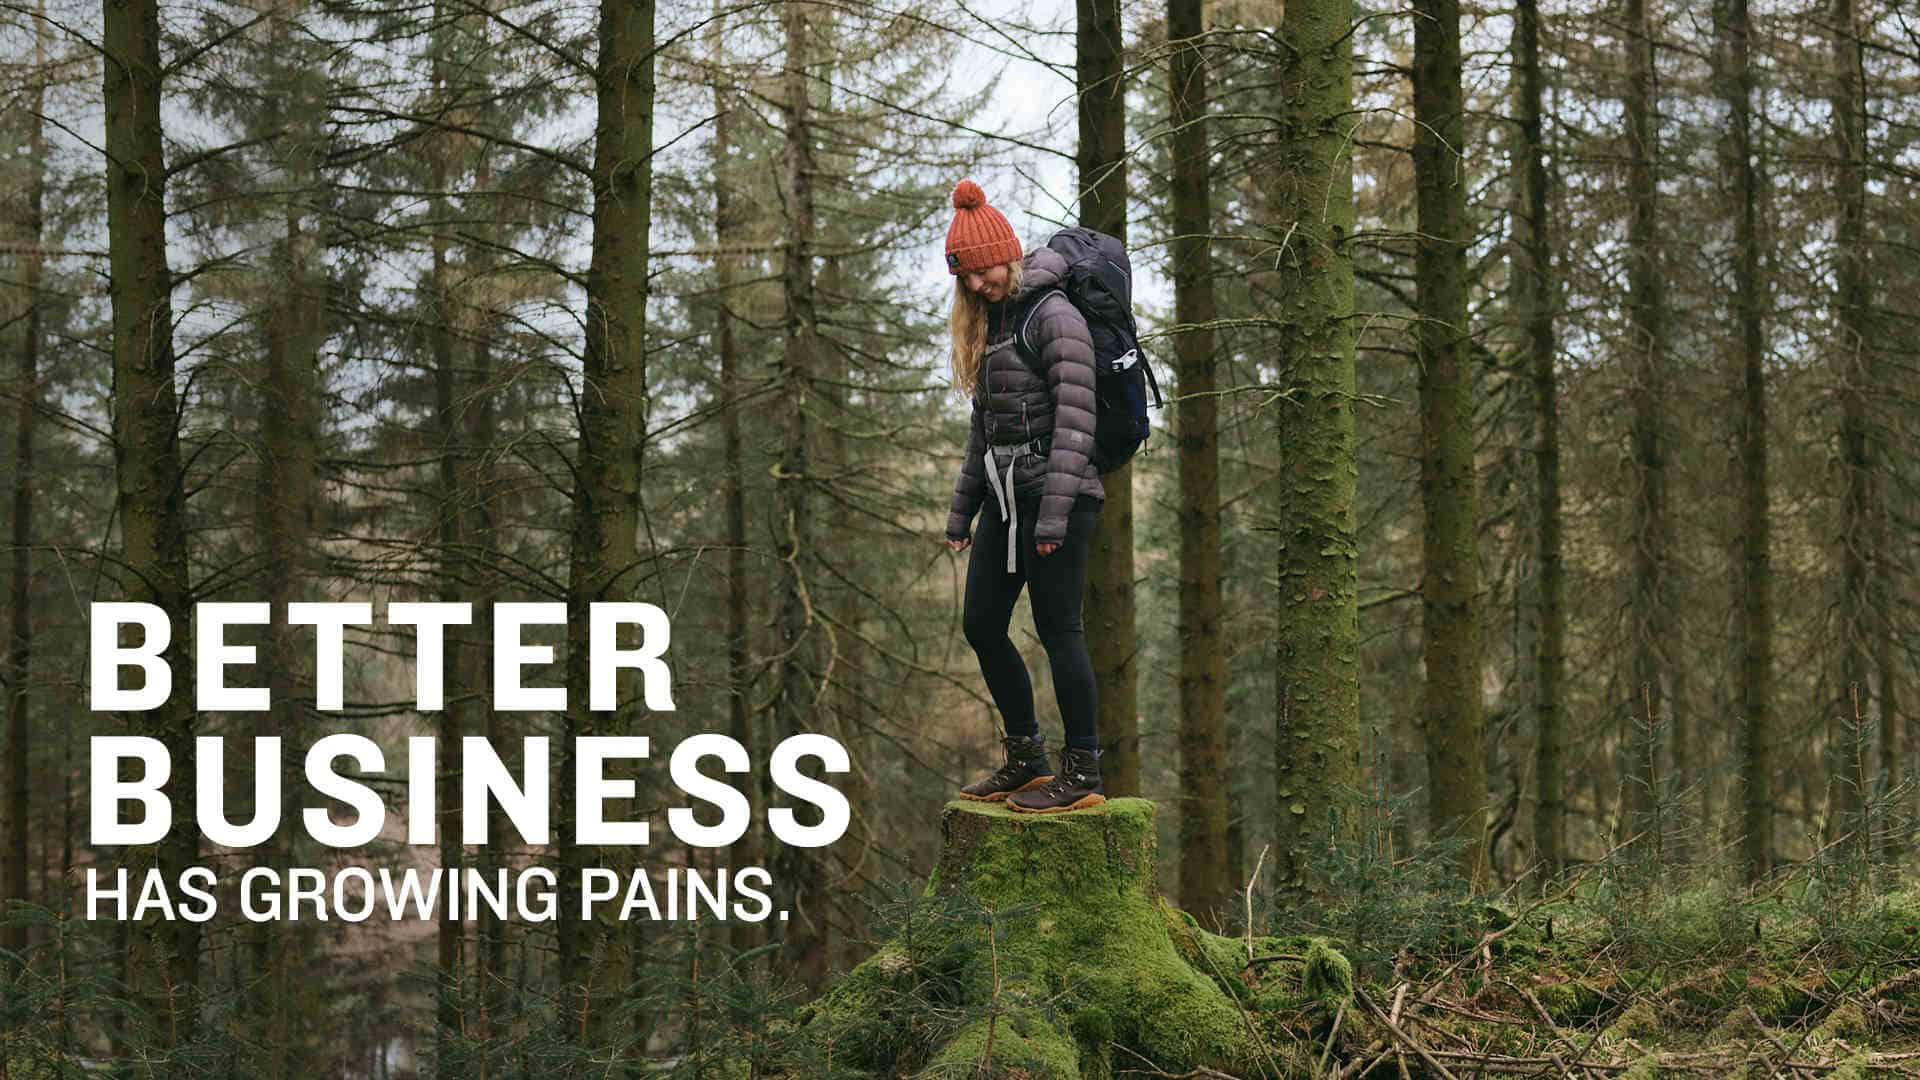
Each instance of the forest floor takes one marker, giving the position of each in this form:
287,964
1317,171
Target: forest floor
1793,982
1631,968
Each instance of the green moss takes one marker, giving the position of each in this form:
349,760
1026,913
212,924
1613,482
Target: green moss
1639,1021
1023,1047
1570,1003
867,1016
1768,999
1854,1068
27,1059
1846,1021
1271,986
1059,911
1329,977
1736,1026
1092,1026
1646,1068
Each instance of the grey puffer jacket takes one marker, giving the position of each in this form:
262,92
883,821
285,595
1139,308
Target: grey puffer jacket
1015,403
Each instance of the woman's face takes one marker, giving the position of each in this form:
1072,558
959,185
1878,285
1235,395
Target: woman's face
989,284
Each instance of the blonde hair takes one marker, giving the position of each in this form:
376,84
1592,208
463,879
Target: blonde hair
967,325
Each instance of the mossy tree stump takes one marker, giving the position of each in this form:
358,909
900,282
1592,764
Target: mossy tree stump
1052,955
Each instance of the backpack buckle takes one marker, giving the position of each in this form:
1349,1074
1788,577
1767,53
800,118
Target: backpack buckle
1038,447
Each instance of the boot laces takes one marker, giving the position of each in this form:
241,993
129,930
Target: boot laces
1072,774
1014,765
1057,786
1008,770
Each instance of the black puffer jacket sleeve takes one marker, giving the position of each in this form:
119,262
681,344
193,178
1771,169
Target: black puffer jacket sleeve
1060,336
970,486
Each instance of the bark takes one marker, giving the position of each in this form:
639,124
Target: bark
1650,606
727,232
1894,737
1754,587
798,872
1204,888
1859,562
1316,639
495,934
1536,301
19,660
458,690
1456,762
162,958
1109,606
841,695
291,394
606,496
478,491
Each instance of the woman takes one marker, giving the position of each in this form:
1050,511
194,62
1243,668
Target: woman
1028,463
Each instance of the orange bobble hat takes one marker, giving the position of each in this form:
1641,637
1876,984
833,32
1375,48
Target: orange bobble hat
979,236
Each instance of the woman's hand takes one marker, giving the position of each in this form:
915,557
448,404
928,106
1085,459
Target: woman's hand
1046,549
961,544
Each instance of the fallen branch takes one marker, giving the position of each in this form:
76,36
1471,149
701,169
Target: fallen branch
1411,1044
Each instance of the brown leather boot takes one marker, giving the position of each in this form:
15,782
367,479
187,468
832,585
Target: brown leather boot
1026,767
1077,785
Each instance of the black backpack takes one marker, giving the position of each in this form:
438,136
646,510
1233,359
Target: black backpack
1099,281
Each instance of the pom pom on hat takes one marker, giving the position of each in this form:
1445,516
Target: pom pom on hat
967,195
979,236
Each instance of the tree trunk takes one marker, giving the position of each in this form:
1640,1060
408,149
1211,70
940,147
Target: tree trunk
296,333
457,691
1536,300
606,497
1650,609
1108,611
1317,630
1754,583
1204,888
1456,762
151,501
478,489
449,815
726,229
797,871
1021,906
1859,525
19,662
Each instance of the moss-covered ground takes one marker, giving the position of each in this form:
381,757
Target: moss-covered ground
1042,949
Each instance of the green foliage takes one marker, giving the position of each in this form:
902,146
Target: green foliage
1379,904
1046,933
1328,978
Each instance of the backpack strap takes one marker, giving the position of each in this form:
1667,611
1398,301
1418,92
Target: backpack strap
1020,343
1025,347
1032,359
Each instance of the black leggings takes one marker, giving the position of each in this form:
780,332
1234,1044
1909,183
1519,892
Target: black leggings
1057,582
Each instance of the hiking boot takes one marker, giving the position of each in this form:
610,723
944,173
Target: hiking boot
1026,767
1075,786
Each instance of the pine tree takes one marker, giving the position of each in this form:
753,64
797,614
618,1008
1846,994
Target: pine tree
148,469
605,556
1456,770
1317,637
1204,888
16,684
1099,66
1647,364
796,701
1753,585
1536,299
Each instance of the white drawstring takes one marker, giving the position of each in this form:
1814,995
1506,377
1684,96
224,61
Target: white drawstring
1009,507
